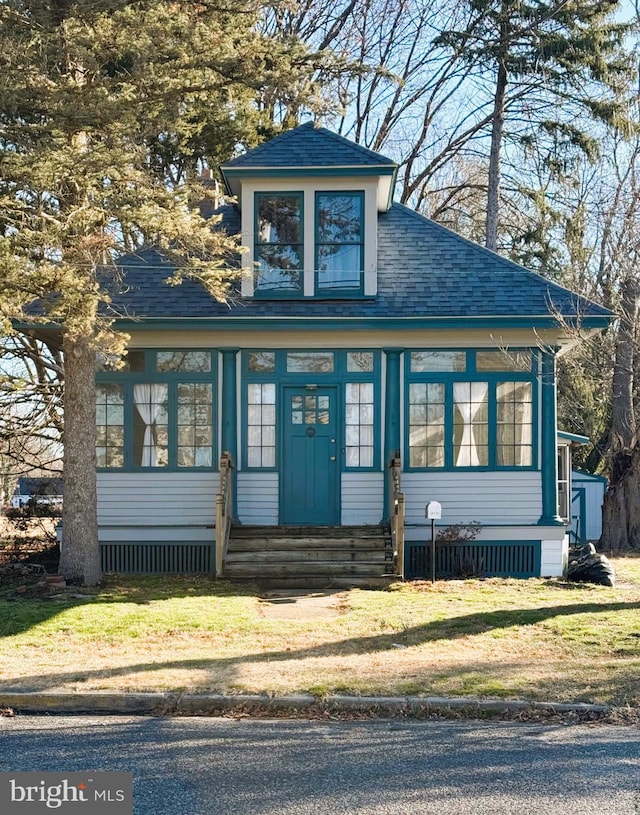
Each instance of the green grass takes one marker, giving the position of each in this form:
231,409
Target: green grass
538,639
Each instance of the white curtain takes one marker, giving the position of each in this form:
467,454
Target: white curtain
523,453
469,397
148,401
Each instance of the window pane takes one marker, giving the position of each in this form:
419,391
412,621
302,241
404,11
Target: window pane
339,240
261,421
359,433
261,361
198,361
339,267
360,361
438,361
195,426
279,219
514,424
278,267
150,425
339,218
503,361
110,425
470,419
310,362
279,242
426,424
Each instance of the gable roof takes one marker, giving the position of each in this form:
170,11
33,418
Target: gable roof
308,146
425,272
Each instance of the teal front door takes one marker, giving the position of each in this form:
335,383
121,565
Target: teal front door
309,482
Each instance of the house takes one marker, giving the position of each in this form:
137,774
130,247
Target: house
37,491
373,361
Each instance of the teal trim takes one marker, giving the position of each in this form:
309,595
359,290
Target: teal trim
172,379
550,516
339,377
573,437
396,324
519,559
392,416
583,475
275,293
310,172
347,291
229,417
309,455
149,557
448,379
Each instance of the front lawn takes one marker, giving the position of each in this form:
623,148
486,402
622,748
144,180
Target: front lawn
535,639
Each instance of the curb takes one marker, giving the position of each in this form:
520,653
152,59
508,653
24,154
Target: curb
177,704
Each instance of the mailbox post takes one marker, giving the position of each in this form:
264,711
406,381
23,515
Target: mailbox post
433,513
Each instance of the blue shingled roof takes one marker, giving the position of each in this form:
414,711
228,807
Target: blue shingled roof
308,146
424,270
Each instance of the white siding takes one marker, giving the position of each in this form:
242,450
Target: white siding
258,498
486,497
554,557
156,507
362,498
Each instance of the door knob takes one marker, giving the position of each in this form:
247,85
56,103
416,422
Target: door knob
332,458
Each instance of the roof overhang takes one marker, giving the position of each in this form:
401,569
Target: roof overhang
395,324
386,175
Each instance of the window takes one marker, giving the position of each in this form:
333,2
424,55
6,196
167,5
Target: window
426,424
150,425
359,427
515,445
158,412
261,425
339,241
464,413
564,480
470,424
110,425
279,245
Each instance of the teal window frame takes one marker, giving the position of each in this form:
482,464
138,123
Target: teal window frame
471,374
277,294
128,379
339,378
343,291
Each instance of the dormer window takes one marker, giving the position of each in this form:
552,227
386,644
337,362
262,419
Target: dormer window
339,241
279,244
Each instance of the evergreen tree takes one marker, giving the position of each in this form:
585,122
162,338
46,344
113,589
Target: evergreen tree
106,109
562,57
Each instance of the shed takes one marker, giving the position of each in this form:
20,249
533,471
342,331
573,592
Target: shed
587,495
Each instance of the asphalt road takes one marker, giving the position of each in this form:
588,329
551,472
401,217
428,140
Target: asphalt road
260,767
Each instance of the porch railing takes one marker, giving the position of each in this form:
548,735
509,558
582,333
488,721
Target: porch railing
396,513
223,511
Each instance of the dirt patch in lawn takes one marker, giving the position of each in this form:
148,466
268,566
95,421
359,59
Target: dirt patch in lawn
302,605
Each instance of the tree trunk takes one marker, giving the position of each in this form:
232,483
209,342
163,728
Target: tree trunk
497,133
621,509
80,553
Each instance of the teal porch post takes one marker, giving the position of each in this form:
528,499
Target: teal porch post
229,408
392,414
549,443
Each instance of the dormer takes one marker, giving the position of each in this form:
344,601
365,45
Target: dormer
309,202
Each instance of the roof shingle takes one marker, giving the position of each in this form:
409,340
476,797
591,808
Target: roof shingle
424,270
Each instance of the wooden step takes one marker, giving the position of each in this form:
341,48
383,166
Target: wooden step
293,583
241,531
302,568
303,557
368,554
303,544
